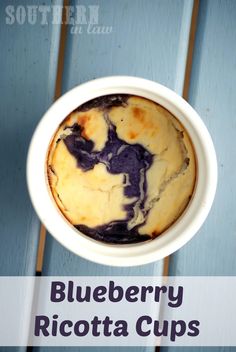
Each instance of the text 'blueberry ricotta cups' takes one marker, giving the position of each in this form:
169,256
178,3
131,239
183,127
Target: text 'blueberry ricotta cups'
122,171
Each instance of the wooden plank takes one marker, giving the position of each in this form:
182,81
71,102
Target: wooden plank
148,39
212,94
28,71
212,251
28,64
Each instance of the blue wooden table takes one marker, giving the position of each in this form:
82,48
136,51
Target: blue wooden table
188,46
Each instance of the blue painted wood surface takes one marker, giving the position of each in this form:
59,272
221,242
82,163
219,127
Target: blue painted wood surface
28,62
28,69
212,93
148,39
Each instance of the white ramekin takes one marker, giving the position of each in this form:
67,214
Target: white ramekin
133,254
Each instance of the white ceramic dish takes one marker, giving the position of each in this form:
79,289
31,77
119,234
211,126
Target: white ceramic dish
132,254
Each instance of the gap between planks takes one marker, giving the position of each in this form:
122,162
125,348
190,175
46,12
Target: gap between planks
186,86
57,94
185,94
42,235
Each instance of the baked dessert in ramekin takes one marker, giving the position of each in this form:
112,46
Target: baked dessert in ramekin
124,215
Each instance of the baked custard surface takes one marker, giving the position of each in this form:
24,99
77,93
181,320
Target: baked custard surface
121,168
